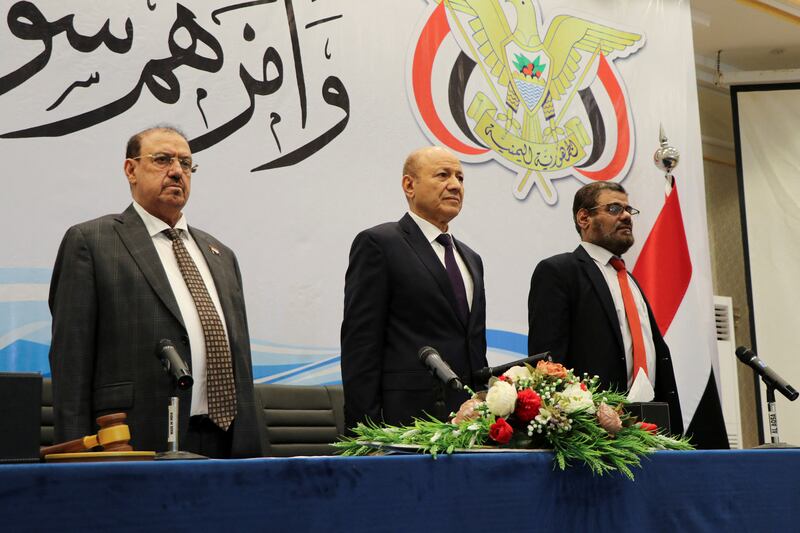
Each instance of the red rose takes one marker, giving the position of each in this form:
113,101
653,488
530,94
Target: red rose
647,426
500,431
583,386
504,378
528,405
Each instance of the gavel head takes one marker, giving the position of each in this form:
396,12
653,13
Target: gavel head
113,434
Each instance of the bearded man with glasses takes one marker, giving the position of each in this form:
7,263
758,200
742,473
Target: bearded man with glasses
120,284
587,310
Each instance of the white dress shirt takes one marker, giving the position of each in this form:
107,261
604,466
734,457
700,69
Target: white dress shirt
431,232
191,318
601,258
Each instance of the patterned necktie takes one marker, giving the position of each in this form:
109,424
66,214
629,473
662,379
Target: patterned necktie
220,384
454,274
632,315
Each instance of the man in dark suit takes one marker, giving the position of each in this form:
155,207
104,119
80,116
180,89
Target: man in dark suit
121,283
409,285
577,308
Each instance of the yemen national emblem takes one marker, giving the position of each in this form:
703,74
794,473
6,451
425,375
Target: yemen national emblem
544,107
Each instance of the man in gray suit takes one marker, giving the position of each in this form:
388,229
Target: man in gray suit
121,283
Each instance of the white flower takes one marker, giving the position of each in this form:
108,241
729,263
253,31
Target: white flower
516,373
501,398
573,398
544,416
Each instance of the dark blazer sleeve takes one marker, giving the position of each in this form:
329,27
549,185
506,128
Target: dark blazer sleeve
549,320
366,305
73,306
250,435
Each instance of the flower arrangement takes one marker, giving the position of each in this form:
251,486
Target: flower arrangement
542,407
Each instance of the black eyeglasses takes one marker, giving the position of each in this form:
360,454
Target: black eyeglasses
164,161
616,209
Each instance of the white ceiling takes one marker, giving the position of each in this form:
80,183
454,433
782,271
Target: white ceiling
752,34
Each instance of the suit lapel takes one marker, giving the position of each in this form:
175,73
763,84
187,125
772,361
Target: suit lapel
601,288
211,251
134,236
416,239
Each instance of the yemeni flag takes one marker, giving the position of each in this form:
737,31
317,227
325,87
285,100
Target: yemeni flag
664,273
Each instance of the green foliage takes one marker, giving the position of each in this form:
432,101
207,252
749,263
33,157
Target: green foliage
587,443
568,425
430,436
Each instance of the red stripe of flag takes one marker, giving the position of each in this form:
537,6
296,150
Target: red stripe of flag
434,32
614,90
664,267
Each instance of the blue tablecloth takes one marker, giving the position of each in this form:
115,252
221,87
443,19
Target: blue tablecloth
749,490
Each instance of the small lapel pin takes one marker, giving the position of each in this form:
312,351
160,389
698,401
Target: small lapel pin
213,249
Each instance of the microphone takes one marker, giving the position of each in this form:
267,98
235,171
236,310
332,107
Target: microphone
769,376
431,359
483,375
174,364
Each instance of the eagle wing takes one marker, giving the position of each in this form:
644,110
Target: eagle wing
566,35
489,27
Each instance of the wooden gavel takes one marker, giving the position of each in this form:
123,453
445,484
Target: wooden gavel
113,436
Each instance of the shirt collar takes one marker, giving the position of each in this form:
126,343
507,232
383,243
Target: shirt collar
429,230
598,253
155,225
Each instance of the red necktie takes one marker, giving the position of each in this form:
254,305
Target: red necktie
632,314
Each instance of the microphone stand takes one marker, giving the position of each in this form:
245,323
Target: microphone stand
772,410
173,425
439,406
482,376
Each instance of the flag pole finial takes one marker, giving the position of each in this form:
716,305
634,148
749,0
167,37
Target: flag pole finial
666,157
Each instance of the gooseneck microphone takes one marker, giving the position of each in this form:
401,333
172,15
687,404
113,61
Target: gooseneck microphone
482,376
769,376
431,359
174,364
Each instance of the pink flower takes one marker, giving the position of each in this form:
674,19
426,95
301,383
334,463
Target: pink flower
501,431
608,418
528,405
468,411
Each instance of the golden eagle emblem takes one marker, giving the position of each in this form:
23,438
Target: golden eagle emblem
522,108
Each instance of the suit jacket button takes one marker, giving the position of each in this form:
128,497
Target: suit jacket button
185,340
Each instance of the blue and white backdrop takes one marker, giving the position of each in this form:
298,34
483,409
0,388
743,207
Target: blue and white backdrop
300,113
